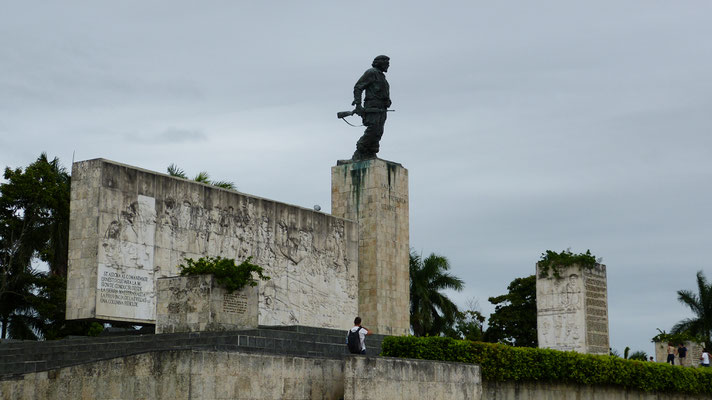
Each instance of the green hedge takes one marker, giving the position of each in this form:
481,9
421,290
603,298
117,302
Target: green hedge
505,363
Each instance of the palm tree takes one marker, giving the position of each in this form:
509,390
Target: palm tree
701,305
431,312
202,177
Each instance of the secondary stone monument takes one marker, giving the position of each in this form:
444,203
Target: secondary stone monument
572,309
198,303
374,193
692,358
129,227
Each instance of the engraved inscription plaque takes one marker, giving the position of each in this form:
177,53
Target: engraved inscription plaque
235,303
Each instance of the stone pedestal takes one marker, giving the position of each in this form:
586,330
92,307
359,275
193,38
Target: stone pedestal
374,193
198,303
572,311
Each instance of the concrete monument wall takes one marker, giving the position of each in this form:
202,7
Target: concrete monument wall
195,374
186,374
375,194
130,226
408,379
198,303
572,311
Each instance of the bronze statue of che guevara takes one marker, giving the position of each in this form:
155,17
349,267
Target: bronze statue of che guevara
373,112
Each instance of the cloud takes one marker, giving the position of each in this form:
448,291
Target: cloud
170,136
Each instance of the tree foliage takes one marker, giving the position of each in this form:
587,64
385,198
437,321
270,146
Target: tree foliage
202,177
553,261
469,325
514,319
34,227
503,363
431,311
231,276
700,304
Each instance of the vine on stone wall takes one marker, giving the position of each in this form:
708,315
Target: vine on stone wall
230,276
555,262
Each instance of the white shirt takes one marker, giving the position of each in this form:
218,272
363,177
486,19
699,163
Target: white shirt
362,336
705,358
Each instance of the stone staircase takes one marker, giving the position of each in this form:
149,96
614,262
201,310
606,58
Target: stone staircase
21,357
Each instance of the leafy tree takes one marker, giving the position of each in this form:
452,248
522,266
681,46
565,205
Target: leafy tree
34,226
514,319
202,177
34,214
638,355
431,311
701,305
468,325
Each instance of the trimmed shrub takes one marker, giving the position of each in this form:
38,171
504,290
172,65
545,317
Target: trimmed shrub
505,363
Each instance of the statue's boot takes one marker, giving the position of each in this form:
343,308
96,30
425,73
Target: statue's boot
358,156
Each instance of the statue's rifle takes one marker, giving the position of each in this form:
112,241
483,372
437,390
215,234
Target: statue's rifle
359,111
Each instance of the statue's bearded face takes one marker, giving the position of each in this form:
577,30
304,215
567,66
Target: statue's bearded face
383,65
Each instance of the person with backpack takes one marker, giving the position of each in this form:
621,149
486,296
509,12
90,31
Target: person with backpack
356,338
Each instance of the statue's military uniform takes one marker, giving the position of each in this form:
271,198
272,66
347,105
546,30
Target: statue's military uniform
378,97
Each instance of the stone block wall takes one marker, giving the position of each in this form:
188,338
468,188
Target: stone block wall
572,310
375,194
186,374
692,358
407,379
198,303
553,391
130,226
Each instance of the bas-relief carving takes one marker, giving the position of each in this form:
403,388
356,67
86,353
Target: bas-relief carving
572,311
314,282
125,263
559,301
301,271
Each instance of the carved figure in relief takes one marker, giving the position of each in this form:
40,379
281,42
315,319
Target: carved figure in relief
558,325
572,294
572,330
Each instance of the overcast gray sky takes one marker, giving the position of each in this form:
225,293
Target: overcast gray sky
525,126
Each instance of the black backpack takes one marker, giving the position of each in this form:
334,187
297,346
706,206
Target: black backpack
354,341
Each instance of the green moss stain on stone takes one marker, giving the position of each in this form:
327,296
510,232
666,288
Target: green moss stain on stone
392,170
358,176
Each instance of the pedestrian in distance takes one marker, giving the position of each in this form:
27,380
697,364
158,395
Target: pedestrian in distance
681,352
356,338
705,358
671,354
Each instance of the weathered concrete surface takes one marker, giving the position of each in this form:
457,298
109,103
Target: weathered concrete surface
548,391
187,374
199,374
198,303
129,226
572,311
405,379
375,193
178,375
